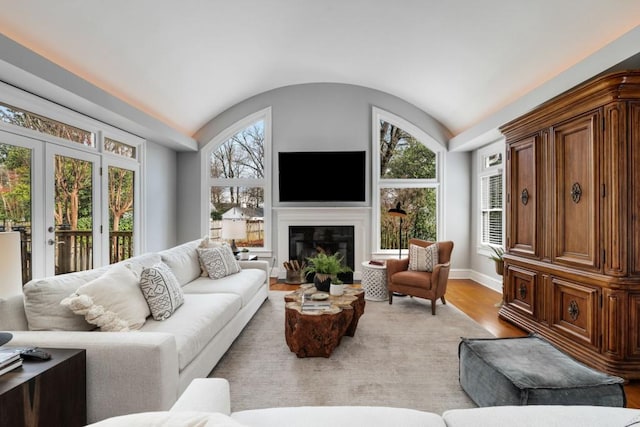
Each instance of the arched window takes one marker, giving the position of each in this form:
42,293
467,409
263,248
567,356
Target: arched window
407,171
237,164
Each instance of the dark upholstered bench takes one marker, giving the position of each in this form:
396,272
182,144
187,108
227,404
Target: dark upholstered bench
530,371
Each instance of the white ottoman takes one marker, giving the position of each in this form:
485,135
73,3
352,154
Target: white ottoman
374,282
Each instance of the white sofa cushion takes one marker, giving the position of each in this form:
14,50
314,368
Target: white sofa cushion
42,299
183,261
166,418
338,416
540,415
113,301
162,291
144,260
196,322
245,284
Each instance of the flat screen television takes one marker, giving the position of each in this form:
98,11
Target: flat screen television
322,176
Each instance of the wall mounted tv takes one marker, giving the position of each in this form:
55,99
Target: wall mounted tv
322,176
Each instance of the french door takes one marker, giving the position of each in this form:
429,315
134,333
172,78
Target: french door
72,210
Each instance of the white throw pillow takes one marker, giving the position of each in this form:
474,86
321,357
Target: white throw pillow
423,259
219,262
161,290
113,301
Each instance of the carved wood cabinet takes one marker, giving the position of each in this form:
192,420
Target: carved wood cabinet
572,263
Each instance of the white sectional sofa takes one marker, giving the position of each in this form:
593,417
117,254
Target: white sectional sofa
207,402
145,369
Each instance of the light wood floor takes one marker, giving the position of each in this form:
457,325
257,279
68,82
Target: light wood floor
479,303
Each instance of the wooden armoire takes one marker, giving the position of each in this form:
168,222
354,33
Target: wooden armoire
572,263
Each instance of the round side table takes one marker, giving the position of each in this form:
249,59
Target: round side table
374,282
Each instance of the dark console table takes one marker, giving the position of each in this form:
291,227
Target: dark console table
46,393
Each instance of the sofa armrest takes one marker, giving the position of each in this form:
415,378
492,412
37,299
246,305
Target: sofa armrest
126,371
205,395
262,265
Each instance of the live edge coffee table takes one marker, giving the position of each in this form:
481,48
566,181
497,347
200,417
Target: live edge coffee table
317,333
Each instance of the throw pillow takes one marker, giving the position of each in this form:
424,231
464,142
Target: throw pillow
423,259
219,262
161,290
113,301
207,243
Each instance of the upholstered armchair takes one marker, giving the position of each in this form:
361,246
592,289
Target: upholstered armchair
411,276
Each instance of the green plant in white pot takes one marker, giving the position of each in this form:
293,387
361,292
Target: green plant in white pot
326,268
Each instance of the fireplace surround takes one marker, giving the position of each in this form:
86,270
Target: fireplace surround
356,217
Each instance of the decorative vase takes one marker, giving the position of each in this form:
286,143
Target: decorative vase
322,282
499,267
336,290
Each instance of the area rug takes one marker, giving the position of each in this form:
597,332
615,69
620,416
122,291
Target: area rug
400,356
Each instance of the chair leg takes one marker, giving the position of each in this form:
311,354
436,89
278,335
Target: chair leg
390,297
443,301
433,307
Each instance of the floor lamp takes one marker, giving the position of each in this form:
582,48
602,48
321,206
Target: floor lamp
400,213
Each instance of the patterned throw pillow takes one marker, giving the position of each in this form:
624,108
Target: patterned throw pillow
162,291
206,242
423,259
219,262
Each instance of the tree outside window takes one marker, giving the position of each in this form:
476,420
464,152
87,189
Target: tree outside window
408,175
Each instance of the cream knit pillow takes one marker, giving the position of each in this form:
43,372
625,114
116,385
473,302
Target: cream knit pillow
113,301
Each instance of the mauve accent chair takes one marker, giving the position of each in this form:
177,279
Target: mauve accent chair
430,285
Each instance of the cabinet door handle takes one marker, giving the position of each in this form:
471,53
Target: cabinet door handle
522,290
576,192
573,310
524,197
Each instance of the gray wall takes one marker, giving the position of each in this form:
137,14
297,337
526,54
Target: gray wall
327,116
457,206
159,212
482,268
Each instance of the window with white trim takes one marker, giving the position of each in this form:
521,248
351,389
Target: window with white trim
407,175
491,223
237,164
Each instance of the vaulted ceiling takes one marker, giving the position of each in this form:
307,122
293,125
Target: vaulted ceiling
472,65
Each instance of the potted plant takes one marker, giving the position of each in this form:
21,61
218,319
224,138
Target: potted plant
325,269
497,256
243,254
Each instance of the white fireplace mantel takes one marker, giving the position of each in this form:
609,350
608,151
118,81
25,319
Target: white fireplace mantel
358,217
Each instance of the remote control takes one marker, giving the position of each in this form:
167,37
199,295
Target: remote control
35,354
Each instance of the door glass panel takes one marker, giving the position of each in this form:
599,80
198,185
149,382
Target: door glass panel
73,214
121,203
15,198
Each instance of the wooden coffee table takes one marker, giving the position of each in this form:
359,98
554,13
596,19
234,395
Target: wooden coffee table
317,333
